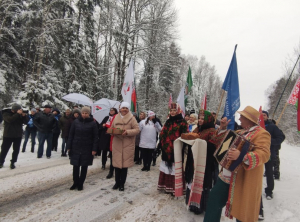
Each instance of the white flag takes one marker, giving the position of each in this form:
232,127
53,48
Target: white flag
128,83
180,100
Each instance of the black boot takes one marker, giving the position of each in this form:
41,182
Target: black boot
110,175
73,187
12,166
121,188
144,168
116,186
80,187
103,167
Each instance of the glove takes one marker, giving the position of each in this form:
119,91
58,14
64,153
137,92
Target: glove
154,120
157,150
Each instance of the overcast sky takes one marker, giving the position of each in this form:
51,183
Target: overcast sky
267,33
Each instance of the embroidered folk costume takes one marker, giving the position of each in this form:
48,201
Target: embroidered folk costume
172,129
241,191
199,163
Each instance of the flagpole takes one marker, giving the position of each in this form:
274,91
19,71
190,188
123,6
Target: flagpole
277,122
223,93
285,87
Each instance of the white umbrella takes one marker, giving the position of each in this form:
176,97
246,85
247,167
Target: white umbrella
78,98
101,108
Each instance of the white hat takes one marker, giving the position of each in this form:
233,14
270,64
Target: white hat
125,104
150,113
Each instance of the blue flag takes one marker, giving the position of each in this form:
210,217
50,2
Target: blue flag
231,85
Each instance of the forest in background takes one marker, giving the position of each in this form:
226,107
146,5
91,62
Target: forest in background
50,48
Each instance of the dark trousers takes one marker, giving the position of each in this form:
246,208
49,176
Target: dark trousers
261,211
147,156
29,132
79,175
217,200
153,157
137,154
6,144
120,175
269,176
104,157
42,138
63,146
55,141
111,167
276,164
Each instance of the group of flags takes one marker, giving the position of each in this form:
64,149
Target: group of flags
230,85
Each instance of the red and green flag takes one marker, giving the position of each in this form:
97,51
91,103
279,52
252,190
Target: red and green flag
294,98
133,101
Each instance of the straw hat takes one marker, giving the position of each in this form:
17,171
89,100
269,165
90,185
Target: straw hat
250,113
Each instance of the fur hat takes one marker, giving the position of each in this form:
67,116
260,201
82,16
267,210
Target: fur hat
251,114
86,109
15,107
125,105
47,106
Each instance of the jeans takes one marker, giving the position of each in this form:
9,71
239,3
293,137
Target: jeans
270,179
29,132
6,144
42,138
63,145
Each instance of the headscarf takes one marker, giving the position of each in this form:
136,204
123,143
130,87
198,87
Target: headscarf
209,120
125,105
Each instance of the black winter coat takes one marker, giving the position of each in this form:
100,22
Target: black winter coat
104,137
13,123
83,139
45,123
277,136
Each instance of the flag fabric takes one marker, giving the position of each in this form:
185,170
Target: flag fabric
133,101
294,94
170,101
203,103
180,101
298,112
261,118
231,85
128,83
188,85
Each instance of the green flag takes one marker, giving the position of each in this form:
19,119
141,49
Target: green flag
188,85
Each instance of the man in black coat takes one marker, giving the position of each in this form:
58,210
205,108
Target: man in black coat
14,119
45,122
277,138
65,125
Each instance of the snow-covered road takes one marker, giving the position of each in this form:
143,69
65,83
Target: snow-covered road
38,190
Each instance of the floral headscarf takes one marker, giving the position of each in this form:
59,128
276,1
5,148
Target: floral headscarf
209,120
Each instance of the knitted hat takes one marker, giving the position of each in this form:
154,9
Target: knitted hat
150,113
33,110
125,105
265,112
15,107
86,109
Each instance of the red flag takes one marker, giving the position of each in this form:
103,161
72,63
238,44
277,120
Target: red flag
170,101
133,101
298,113
203,103
261,119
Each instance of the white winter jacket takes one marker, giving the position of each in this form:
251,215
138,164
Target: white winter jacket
148,134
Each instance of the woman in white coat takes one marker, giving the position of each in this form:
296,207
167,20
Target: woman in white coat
148,127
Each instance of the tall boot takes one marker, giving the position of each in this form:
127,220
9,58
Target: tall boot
117,178
111,172
75,177
82,177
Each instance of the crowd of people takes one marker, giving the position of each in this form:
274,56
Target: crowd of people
187,146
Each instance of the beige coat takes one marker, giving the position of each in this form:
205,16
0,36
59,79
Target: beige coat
248,184
123,146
